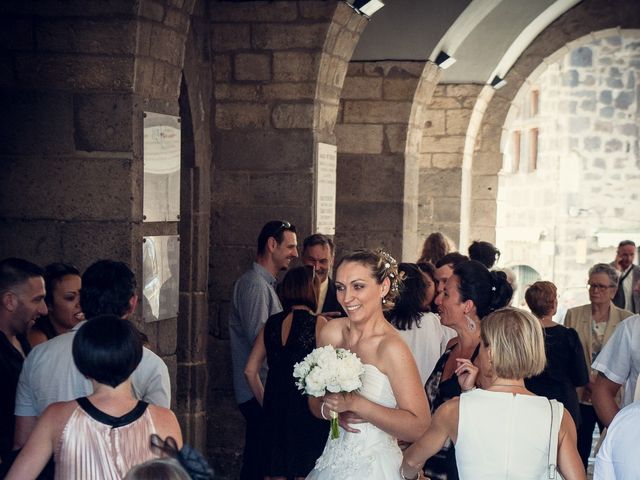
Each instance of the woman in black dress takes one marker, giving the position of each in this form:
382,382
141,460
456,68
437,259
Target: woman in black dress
566,368
293,438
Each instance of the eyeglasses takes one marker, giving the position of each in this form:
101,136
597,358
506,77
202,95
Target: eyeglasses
596,287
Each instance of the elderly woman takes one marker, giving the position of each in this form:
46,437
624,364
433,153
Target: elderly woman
595,323
471,293
503,431
105,434
566,368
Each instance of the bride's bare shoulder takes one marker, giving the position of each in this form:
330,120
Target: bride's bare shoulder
333,332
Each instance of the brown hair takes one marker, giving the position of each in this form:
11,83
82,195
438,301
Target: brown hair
299,288
435,247
382,265
541,297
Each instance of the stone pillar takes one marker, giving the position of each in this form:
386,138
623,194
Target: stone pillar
278,69
76,79
379,137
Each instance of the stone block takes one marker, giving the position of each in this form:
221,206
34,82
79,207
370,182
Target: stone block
399,88
237,92
222,67
483,213
74,35
78,72
254,11
152,10
484,187
345,44
441,182
241,115
101,188
444,103
624,99
292,115
396,138
36,240
438,144
457,121
230,36
288,91
446,160
262,151
316,9
370,217
434,122
325,116
36,122
366,111
167,337
285,186
177,20
103,122
280,36
294,67
357,88
352,138
86,242
192,385
446,209
252,66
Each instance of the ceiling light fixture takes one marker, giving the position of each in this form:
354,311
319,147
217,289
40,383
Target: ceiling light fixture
497,83
444,61
366,7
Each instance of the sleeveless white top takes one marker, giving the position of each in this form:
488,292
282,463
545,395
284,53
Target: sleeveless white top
504,436
371,454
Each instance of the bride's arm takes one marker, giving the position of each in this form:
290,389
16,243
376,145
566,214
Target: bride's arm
410,420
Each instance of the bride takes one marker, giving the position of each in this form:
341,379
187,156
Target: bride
391,404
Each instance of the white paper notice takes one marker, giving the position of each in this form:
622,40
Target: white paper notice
326,191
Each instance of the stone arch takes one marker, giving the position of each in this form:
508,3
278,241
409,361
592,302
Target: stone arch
482,157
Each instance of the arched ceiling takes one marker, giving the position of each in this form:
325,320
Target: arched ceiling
485,36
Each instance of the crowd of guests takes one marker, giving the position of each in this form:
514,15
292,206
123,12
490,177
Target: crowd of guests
81,398
456,384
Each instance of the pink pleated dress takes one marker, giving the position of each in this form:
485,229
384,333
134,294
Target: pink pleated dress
95,445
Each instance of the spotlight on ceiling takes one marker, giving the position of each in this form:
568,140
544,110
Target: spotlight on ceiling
497,83
366,7
444,61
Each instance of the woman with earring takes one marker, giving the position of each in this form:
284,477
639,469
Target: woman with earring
391,403
503,430
471,293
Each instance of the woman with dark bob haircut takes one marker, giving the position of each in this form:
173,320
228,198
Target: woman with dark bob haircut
566,368
105,434
293,437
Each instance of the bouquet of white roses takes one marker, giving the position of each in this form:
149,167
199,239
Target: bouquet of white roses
327,369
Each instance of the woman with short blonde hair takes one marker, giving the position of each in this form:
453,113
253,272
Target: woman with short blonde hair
503,428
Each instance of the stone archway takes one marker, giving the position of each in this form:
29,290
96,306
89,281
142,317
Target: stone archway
483,158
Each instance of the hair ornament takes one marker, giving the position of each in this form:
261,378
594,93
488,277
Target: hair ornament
493,289
390,266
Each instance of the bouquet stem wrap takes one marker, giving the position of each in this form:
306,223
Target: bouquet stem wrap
335,431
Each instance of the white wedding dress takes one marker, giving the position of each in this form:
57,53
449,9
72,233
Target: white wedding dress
372,453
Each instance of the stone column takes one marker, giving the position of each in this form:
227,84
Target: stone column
278,69
379,137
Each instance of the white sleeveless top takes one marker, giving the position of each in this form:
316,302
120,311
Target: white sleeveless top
504,436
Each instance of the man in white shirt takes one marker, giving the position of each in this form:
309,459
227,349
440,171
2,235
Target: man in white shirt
618,364
626,296
49,374
618,457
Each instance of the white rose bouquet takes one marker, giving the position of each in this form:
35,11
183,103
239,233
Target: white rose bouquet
327,369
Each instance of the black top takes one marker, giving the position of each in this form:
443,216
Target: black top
293,437
11,361
331,303
566,369
106,419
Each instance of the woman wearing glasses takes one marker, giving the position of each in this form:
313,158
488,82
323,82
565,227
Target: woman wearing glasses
595,323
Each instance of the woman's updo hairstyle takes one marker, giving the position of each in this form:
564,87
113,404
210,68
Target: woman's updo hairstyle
489,290
382,265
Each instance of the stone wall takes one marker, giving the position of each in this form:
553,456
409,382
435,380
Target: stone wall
582,198
441,159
